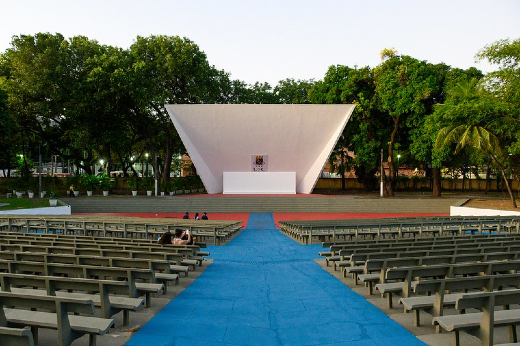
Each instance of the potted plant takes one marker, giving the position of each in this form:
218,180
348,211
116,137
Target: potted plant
53,199
89,182
179,185
131,183
19,186
170,187
105,183
73,182
162,187
148,185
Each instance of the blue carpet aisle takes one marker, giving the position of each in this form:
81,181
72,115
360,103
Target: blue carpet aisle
265,289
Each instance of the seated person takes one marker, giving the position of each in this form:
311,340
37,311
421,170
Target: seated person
165,238
182,237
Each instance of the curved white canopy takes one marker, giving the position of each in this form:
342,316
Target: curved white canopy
222,137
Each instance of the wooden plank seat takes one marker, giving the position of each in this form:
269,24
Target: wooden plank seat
361,256
131,275
115,227
189,253
16,336
375,268
408,276
161,269
412,227
336,251
435,304
110,296
179,263
456,243
56,316
482,323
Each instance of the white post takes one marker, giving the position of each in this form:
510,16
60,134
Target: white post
382,174
155,174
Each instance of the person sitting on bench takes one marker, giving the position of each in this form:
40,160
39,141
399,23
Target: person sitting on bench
165,238
182,237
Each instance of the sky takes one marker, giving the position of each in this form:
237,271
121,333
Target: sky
272,40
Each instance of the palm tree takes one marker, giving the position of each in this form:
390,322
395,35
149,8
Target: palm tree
472,115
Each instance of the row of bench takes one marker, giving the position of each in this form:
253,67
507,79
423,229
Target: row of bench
217,231
441,280
63,274
310,231
339,251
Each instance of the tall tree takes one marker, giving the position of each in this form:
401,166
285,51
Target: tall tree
9,132
365,129
291,91
405,89
171,69
423,133
472,117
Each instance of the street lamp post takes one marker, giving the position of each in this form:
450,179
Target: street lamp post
39,172
397,171
146,155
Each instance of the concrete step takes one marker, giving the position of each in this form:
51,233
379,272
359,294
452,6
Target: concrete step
258,204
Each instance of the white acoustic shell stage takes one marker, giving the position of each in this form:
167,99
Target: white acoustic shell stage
290,143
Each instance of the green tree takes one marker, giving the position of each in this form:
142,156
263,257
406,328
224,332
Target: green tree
405,90
365,129
473,117
293,92
423,134
170,69
10,134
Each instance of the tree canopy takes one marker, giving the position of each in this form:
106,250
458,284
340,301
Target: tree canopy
84,101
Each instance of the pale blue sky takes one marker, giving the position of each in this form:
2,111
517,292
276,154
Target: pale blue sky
270,40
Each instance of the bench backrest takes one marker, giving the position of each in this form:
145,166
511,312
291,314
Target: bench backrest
16,336
487,302
50,303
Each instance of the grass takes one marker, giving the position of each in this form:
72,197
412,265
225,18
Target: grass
23,203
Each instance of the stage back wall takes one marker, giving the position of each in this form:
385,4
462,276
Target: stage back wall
290,138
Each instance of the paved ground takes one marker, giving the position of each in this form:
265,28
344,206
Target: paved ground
265,289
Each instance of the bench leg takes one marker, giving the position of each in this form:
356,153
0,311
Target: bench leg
456,338
147,298
355,278
126,317
92,340
34,332
390,302
417,318
370,288
513,338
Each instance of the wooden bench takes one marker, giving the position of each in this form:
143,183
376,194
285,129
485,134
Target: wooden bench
483,323
56,316
131,275
16,336
435,304
375,268
111,296
409,275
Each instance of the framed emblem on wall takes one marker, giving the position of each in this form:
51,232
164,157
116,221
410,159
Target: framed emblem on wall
259,163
